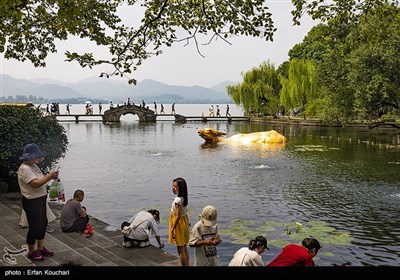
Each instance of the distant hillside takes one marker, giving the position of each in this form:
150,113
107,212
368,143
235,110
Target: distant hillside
48,81
221,87
14,87
118,91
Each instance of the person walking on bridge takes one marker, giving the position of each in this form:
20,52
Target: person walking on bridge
227,110
173,108
218,111
155,107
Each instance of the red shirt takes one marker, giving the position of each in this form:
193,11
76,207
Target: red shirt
293,255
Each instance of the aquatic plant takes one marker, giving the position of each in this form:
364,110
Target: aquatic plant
280,233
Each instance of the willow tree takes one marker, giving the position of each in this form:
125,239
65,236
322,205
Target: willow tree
299,87
259,90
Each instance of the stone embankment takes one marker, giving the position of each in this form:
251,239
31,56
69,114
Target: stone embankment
101,249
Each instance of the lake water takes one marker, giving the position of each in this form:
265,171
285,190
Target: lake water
341,185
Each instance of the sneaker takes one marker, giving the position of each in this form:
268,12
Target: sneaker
127,244
46,253
144,244
49,229
35,256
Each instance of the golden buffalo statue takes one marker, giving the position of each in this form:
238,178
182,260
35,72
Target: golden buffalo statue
212,136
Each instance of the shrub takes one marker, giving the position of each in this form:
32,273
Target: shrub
20,125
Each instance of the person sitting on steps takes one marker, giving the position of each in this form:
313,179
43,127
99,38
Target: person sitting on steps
73,216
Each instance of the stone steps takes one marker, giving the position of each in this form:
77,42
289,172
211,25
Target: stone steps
101,249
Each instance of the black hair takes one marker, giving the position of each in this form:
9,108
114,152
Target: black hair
78,193
155,212
311,243
182,190
257,242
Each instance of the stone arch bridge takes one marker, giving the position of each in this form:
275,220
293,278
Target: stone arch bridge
114,114
144,114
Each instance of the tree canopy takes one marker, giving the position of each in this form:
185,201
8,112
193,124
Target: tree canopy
30,28
355,64
349,11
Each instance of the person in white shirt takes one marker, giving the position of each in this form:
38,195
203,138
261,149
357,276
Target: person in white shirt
205,238
32,183
251,255
143,224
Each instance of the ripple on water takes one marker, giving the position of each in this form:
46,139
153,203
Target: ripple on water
352,187
262,166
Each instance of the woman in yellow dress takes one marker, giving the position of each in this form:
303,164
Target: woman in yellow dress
179,230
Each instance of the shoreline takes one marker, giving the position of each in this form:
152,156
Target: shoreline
317,122
103,248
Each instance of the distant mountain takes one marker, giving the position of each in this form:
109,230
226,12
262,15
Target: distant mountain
221,87
48,81
14,87
118,91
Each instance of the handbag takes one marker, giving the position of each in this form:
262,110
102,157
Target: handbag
126,231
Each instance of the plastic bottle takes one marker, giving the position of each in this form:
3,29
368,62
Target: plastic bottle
53,191
61,194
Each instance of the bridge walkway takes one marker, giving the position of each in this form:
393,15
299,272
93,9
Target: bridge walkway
144,114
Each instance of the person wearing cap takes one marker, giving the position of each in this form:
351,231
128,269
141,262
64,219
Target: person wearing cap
297,255
32,184
205,238
251,255
144,224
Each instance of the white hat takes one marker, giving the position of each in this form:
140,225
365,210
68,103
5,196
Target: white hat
209,215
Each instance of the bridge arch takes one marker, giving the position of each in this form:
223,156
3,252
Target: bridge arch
114,114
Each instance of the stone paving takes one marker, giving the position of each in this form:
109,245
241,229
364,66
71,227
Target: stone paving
101,249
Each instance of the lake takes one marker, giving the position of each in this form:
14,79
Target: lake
340,185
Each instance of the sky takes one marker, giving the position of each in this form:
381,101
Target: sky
181,65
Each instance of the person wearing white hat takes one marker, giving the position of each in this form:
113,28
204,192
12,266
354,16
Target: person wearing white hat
32,183
205,238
